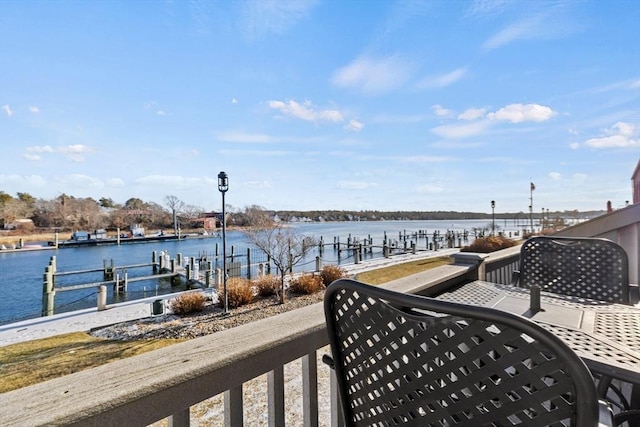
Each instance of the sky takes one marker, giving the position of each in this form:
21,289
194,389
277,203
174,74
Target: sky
323,104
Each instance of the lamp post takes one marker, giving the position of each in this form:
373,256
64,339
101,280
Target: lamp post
493,217
223,186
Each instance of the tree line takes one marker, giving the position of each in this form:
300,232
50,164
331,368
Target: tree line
66,212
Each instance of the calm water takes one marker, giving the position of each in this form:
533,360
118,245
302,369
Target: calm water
21,274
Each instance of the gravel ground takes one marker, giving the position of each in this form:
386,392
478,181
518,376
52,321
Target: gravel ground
209,321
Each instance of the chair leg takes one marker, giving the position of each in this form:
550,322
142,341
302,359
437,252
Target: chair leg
631,417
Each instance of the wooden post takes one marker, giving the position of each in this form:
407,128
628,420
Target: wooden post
318,264
48,292
118,235
154,261
102,298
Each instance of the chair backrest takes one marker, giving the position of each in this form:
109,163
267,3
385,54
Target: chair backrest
581,267
412,360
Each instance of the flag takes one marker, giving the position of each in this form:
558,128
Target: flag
533,187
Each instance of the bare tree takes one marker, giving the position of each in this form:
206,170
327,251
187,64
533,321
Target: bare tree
284,245
175,205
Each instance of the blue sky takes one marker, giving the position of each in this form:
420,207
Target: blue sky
354,105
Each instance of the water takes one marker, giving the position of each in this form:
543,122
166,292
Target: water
21,274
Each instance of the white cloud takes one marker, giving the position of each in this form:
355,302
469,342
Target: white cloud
7,110
574,145
23,180
620,135
421,159
373,76
40,149
115,182
161,113
258,185
355,185
440,111
176,181
34,109
234,101
354,125
79,181
465,130
555,175
580,177
75,153
254,138
429,188
516,113
472,114
262,17
542,21
442,80
257,153
306,111
32,157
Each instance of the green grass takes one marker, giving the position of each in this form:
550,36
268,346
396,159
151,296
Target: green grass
36,361
398,271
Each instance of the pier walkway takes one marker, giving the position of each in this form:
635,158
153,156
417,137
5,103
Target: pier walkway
90,318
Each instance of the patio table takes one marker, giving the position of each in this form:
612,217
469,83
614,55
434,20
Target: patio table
605,335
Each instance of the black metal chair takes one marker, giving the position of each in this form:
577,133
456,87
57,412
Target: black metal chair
582,267
404,359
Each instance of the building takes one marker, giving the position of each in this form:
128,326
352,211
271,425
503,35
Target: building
635,179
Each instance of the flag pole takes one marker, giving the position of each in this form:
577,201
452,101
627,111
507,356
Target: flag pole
531,188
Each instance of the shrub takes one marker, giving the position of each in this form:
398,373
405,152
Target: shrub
489,244
306,284
267,285
331,273
187,303
239,292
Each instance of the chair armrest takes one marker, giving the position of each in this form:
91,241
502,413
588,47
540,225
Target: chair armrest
515,278
634,293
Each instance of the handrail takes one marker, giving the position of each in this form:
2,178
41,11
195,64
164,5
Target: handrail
165,383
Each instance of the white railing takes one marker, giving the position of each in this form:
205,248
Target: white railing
166,383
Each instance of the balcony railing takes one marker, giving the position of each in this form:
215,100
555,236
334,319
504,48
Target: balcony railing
166,383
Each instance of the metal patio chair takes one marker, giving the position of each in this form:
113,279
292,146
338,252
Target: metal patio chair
582,267
404,359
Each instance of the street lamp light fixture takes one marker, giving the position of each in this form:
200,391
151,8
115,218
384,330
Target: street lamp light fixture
223,186
493,217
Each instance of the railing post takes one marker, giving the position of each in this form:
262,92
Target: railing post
310,390
180,419
474,260
275,396
233,416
